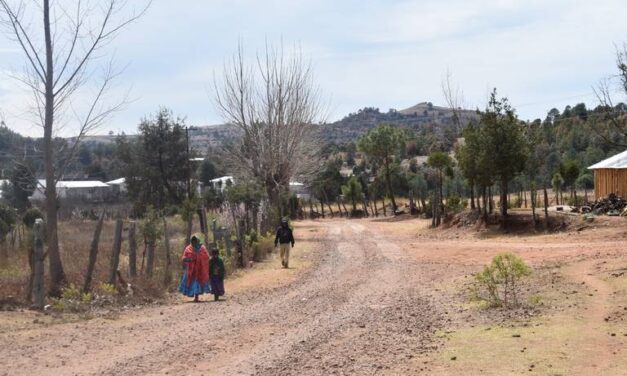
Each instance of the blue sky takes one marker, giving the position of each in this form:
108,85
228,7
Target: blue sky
385,54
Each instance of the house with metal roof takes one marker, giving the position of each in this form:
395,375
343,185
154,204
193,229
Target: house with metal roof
84,190
610,176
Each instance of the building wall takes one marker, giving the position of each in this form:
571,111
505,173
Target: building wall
610,180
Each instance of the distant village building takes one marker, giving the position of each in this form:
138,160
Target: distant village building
85,190
118,186
222,182
300,190
610,176
3,183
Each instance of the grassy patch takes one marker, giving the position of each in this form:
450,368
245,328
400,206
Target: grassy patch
543,347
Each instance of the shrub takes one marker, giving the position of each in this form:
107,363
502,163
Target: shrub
500,281
72,300
29,217
576,201
455,204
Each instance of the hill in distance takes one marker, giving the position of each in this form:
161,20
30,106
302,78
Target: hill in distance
415,118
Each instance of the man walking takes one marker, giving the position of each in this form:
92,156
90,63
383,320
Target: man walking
284,237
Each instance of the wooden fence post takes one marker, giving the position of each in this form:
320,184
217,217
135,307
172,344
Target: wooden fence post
168,260
214,229
132,250
204,226
115,252
227,240
38,264
93,253
241,239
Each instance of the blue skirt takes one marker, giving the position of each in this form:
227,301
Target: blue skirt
194,288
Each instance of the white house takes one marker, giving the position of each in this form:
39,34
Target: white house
222,182
300,190
85,190
118,185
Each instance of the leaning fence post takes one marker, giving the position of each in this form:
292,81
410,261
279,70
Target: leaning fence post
115,253
214,229
132,250
38,264
93,253
227,240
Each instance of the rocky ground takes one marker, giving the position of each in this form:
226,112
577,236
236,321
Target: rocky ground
363,297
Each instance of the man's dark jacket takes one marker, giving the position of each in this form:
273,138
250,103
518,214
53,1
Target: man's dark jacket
284,235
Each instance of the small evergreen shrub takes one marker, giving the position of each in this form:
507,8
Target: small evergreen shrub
499,282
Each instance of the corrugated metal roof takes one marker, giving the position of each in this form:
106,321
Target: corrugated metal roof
117,181
222,179
617,161
77,184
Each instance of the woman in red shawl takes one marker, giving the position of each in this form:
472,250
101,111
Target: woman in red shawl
195,280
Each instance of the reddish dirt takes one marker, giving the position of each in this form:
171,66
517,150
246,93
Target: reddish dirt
365,302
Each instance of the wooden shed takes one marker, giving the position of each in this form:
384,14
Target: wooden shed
610,176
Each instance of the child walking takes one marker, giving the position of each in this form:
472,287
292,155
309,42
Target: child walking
216,274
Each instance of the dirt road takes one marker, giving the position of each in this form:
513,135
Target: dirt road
359,310
377,297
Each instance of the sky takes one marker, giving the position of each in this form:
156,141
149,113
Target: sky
365,53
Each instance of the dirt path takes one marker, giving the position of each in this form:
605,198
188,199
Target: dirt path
360,311
595,341
372,297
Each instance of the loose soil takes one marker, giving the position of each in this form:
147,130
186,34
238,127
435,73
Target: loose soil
363,297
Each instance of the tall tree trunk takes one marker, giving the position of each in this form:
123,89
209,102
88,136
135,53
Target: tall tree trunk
190,226
166,243
546,206
38,265
504,199
533,199
322,208
472,196
339,208
345,210
384,208
490,200
93,253
486,202
440,197
330,209
376,210
388,180
56,273
4,252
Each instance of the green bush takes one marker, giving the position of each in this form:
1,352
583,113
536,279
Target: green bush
499,282
72,300
578,201
30,215
455,204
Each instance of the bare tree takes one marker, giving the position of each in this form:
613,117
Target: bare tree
454,98
276,107
59,63
613,129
